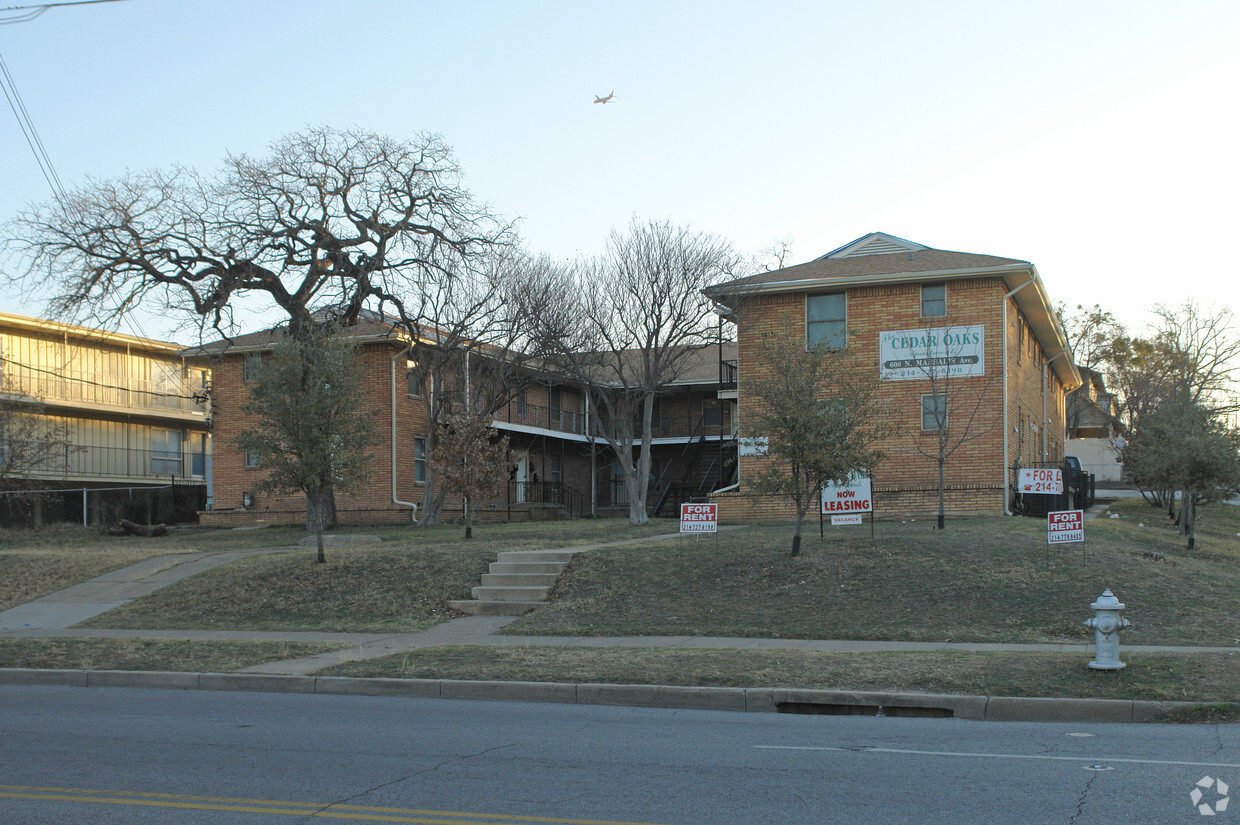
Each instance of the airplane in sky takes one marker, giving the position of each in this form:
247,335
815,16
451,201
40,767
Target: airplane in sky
607,99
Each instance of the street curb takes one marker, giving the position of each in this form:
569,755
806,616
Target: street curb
752,700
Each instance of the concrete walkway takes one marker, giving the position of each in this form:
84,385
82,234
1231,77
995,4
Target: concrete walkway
54,616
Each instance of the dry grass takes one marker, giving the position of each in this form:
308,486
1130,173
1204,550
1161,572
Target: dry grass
1211,677
980,580
401,584
183,656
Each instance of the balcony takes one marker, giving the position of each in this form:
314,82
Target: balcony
101,391
544,418
123,463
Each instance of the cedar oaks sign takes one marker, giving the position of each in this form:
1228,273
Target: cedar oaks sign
942,352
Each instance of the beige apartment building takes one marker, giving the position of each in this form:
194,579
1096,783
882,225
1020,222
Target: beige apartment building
134,412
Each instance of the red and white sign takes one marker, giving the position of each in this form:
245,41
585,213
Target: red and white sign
699,518
854,497
1064,526
1039,481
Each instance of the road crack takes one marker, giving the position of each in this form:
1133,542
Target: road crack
348,800
1080,803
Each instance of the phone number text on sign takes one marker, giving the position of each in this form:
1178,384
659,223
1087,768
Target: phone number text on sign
1039,481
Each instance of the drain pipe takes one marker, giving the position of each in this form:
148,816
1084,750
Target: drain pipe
413,515
1045,372
1007,511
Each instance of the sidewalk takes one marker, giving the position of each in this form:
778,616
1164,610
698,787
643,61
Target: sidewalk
53,616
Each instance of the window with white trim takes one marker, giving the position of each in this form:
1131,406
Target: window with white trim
826,319
934,411
933,300
419,459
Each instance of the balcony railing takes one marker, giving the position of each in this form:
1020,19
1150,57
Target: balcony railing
137,394
727,373
121,462
546,418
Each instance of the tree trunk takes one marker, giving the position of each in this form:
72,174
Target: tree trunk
941,523
320,506
469,528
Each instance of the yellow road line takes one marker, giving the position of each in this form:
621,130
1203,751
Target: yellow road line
280,807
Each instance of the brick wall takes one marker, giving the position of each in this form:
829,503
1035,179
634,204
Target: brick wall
905,482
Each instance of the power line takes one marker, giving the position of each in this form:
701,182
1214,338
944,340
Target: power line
28,130
31,12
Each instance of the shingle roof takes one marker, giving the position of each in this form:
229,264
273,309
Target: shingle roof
878,267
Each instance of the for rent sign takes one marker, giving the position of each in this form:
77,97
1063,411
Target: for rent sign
1064,526
1039,481
699,518
853,497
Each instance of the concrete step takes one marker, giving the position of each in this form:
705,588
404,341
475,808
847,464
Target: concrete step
510,594
560,556
477,608
553,568
519,579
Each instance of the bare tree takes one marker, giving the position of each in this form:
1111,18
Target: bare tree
327,218
1093,334
627,325
1176,385
471,340
340,219
472,461
820,412
33,445
950,411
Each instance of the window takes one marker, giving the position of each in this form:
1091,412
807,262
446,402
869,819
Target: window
166,452
933,300
826,319
934,411
521,403
251,459
419,459
555,402
712,412
557,470
249,371
413,379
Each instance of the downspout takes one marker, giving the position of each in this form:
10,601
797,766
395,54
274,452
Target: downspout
1007,511
413,515
1045,368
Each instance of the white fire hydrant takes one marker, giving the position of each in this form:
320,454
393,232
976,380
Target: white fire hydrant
1106,624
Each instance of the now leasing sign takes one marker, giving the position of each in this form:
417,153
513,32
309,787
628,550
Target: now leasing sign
699,518
854,497
941,352
1065,526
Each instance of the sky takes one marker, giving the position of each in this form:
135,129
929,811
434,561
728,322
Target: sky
1098,140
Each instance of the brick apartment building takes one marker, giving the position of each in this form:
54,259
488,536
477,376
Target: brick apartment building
558,466
878,300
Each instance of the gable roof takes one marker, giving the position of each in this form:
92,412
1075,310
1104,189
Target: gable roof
879,258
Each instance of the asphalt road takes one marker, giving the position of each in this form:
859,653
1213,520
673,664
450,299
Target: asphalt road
71,755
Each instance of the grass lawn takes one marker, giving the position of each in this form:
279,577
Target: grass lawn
34,563
1209,677
980,580
401,584
186,656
